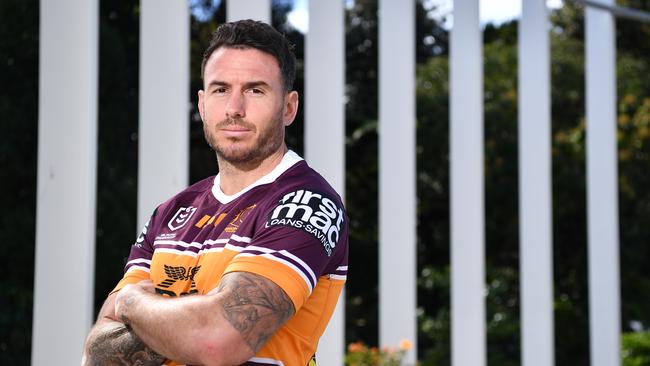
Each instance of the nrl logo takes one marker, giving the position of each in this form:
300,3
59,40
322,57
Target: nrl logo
181,217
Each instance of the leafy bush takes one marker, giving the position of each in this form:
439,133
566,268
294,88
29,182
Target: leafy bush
360,355
636,349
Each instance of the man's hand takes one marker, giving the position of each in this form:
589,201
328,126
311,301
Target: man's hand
112,343
116,344
128,296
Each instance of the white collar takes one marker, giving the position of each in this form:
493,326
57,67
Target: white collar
288,160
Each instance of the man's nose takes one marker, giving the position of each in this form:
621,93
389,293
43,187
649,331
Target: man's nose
235,107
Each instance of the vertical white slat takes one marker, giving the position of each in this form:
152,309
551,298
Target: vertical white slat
467,188
163,166
535,201
602,188
325,130
67,175
249,9
397,193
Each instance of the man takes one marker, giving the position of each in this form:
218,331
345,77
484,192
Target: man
245,267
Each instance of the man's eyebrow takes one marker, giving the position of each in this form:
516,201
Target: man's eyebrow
217,83
254,84
247,85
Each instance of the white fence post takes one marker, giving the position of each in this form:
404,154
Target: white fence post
467,188
535,201
67,174
325,130
163,167
602,188
397,189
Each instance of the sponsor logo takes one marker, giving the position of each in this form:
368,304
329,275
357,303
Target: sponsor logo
175,274
311,212
239,219
181,217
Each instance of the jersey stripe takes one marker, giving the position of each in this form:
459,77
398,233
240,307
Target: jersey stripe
284,254
283,261
142,264
139,268
242,239
263,361
338,277
177,252
177,243
301,262
192,249
194,244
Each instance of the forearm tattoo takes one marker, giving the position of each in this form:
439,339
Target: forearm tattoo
119,346
255,306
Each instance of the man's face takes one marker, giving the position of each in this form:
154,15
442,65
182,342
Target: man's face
243,106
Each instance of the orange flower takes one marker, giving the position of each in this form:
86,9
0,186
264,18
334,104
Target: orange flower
356,347
405,344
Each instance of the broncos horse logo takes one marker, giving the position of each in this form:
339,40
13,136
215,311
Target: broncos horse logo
179,274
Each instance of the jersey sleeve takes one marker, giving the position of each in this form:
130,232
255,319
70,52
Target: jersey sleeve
139,262
296,244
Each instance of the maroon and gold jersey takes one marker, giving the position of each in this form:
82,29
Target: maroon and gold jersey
289,226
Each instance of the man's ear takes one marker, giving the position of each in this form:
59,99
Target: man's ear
200,104
291,102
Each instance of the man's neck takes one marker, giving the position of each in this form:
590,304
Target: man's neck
236,177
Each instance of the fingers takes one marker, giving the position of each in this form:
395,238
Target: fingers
125,298
147,285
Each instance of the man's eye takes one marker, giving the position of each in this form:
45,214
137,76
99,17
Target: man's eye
257,91
220,90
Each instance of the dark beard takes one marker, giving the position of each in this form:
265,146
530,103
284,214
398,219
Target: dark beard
267,144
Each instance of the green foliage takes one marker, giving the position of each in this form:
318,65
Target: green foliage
362,170
18,153
434,332
359,354
117,153
636,349
634,195
501,198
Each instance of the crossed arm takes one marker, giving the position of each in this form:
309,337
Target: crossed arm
225,327
111,342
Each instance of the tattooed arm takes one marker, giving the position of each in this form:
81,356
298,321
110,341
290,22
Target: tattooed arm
226,327
110,342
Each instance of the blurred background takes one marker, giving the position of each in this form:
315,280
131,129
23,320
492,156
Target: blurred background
118,159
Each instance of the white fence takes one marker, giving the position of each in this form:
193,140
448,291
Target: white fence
72,114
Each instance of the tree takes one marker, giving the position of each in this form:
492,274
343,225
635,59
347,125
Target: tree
18,110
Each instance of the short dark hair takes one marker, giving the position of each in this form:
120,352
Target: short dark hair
249,33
